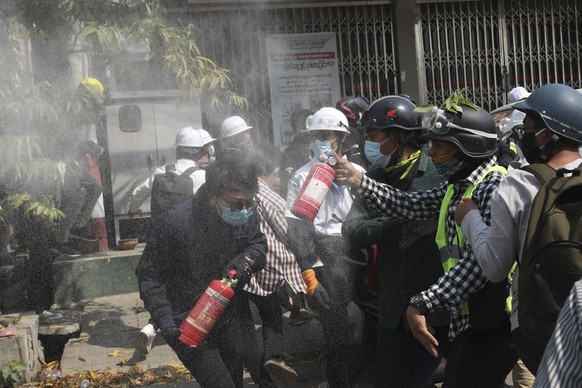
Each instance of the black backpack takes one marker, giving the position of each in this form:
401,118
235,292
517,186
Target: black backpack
171,188
552,256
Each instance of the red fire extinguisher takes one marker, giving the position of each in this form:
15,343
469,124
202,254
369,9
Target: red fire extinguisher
207,310
313,192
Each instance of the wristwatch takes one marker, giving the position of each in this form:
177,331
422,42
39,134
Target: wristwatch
418,302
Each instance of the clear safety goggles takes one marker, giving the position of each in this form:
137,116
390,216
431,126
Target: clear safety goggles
324,122
439,122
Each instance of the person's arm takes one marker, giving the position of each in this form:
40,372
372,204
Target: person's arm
302,242
143,191
401,205
362,229
466,277
496,247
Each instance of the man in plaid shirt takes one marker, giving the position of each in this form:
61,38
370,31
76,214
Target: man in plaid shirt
462,146
267,366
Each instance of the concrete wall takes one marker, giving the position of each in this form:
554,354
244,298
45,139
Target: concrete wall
102,274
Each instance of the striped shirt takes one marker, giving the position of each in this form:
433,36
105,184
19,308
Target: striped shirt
281,263
465,278
561,365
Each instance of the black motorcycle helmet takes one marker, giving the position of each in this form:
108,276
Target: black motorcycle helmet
353,107
472,130
559,106
392,112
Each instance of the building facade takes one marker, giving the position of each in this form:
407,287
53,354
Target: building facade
425,49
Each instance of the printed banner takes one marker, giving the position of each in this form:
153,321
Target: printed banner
303,74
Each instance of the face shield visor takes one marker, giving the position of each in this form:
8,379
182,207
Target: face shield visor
438,122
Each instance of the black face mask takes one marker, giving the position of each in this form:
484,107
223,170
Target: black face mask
528,147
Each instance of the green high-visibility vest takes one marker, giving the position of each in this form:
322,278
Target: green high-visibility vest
450,257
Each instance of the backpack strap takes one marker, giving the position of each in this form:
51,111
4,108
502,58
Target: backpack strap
189,171
541,171
170,167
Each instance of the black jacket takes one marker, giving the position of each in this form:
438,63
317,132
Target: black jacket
409,260
189,246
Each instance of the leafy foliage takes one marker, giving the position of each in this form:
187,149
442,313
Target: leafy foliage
132,377
452,104
36,108
11,373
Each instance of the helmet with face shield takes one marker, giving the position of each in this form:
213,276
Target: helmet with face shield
353,107
472,130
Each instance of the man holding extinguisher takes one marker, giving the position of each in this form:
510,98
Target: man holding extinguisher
323,255
191,244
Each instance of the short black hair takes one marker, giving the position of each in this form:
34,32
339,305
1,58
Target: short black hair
228,169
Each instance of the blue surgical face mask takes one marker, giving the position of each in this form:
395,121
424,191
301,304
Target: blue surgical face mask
374,155
236,218
319,147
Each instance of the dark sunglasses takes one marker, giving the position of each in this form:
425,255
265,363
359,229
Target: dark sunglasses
237,206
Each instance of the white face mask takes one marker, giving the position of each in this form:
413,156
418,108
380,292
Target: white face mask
375,156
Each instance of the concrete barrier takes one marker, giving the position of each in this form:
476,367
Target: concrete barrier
25,347
96,275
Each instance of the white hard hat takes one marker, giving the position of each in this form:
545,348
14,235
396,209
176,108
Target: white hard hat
327,119
233,126
190,137
517,94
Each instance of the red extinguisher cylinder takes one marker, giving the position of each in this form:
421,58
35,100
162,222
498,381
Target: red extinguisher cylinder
313,191
207,311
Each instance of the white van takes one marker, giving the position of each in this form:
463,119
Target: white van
141,132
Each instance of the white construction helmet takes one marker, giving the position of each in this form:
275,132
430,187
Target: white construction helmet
233,126
190,137
327,119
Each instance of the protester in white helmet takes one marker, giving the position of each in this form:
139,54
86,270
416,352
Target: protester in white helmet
194,149
324,255
235,134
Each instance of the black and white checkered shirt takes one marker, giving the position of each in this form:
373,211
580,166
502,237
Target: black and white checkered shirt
465,278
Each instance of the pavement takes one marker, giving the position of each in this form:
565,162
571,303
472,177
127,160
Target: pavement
110,325
109,330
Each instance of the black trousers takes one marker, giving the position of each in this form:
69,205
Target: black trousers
530,352
271,316
480,359
401,361
217,363
33,234
336,276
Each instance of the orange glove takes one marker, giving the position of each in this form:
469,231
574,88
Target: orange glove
310,281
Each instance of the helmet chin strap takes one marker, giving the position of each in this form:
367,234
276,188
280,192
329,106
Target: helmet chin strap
395,155
548,149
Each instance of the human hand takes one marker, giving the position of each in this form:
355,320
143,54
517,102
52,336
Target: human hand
346,173
466,205
421,331
171,333
243,270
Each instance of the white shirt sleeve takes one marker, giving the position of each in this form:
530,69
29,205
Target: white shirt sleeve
143,191
498,246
